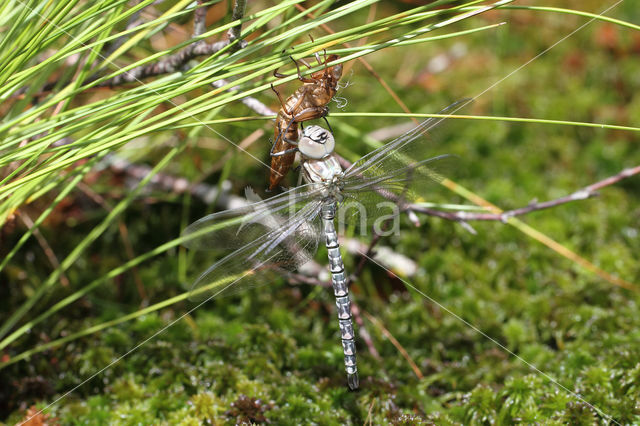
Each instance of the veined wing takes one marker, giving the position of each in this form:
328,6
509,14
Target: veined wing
219,230
397,173
279,233
407,149
370,199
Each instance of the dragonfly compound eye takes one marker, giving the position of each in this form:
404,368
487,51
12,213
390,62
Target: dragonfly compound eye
316,143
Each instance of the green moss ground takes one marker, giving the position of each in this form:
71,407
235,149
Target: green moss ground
273,355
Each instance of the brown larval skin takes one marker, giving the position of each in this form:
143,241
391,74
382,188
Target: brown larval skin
309,102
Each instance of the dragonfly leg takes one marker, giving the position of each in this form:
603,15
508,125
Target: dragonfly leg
287,140
285,152
311,113
320,62
304,115
283,133
300,77
305,63
316,53
293,120
328,125
282,104
276,74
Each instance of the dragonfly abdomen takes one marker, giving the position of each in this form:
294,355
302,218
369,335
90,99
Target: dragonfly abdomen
341,292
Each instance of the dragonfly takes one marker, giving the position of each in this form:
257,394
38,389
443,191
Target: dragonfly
282,233
307,103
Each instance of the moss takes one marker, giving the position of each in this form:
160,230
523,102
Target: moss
273,355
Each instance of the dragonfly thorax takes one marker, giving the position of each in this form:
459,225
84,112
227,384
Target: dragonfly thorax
319,164
327,173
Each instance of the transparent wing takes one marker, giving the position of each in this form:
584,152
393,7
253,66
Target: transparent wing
369,200
380,183
409,148
220,230
279,233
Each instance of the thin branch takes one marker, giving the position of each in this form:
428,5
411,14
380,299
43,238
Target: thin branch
179,60
463,216
134,21
363,333
177,185
128,248
250,102
200,19
582,194
46,248
124,234
363,259
167,65
395,343
368,419
238,13
298,278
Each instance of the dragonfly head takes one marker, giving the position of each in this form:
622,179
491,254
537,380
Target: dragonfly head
316,143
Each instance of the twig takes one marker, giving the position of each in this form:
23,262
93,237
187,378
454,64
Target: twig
463,216
234,34
362,331
48,251
168,65
582,194
299,278
249,101
363,259
395,343
134,21
177,61
124,234
177,185
391,132
126,241
368,419
396,262
200,19
238,13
